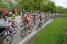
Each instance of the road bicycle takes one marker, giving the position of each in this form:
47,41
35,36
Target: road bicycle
5,35
24,31
38,25
15,27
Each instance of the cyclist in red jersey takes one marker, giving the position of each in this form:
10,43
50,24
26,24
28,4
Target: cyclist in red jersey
27,21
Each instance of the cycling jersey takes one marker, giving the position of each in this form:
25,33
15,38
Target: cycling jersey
27,19
5,13
34,19
2,22
9,25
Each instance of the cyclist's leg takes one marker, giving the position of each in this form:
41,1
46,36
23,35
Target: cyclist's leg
23,31
27,29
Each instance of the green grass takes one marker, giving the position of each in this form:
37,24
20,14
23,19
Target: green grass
52,33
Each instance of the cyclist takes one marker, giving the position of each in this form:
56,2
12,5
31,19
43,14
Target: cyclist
34,18
10,13
40,20
40,17
2,32
5,22
27,21
2,24
5,13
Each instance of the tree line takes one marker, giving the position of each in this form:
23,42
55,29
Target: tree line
42,5
37,5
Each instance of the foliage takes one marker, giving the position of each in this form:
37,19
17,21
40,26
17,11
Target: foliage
35,5
42,5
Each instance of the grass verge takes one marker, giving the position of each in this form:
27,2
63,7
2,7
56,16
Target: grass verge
52,33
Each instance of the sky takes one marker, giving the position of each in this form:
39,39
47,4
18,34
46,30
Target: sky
62,3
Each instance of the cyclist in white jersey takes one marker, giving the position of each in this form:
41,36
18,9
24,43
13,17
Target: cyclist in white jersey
2,25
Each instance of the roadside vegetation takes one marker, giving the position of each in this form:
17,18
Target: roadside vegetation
54,33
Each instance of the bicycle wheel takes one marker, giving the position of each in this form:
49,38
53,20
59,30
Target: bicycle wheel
38,26
30,29
15,28
23,32
8,39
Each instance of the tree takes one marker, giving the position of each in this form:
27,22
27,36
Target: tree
51,7
32,4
